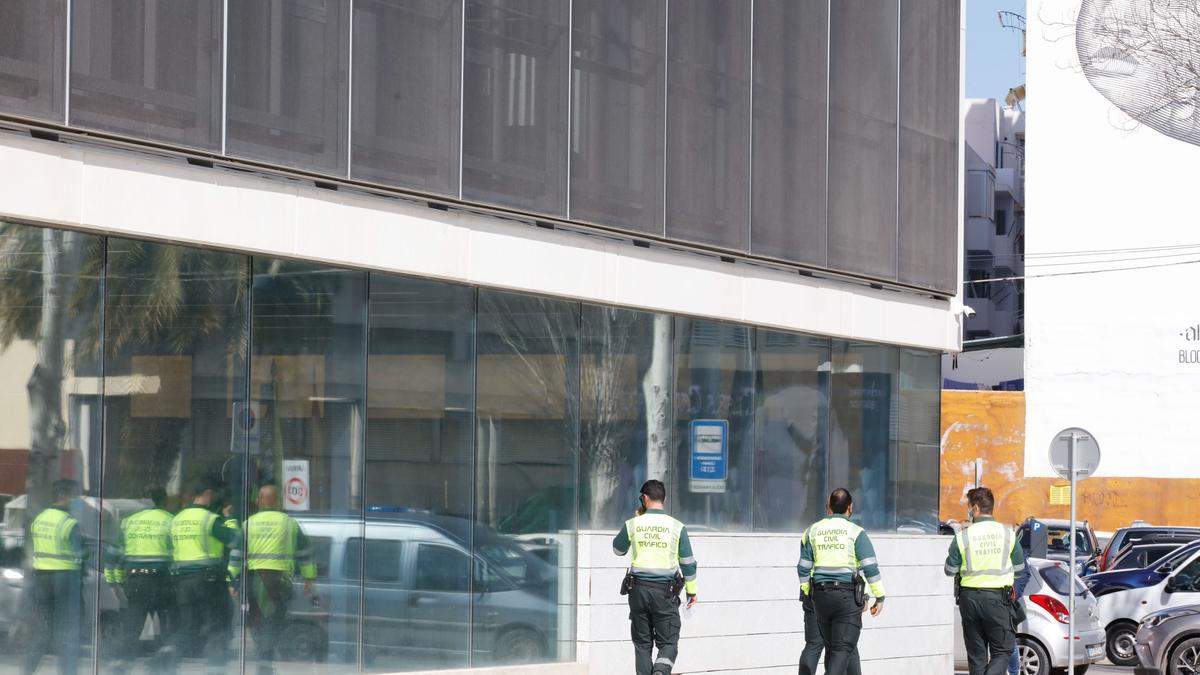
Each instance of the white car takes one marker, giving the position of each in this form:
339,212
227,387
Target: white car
1121,611
1042,637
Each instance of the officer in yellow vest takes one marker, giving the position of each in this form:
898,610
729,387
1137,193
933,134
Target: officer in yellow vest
834,553
662,558
986,556
142,569
199,538
57,582
275,547
814,644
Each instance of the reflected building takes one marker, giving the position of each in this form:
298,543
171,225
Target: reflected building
455,277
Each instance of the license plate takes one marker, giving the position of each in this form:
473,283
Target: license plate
1095,651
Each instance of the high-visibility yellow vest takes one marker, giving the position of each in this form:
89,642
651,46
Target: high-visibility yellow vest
986,549
52,550
192,540
832,541
147,537
654,542
272,541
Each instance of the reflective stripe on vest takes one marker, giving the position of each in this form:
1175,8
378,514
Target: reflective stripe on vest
986,549
654,541
271,541
51,532
192,538
832,541
147,536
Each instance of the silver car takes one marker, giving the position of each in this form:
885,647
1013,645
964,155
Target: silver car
1168,642
1042,637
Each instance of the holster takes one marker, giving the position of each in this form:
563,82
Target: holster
676,586
627,583
860,591
1016,607
957,587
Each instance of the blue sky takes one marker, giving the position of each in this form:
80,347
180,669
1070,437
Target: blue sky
993,53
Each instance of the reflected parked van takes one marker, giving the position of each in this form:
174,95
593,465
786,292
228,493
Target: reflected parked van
427,599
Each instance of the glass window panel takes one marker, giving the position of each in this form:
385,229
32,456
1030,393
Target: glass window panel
407,72
708,138
515,103
625,398
32,55
442,569
148,68
288,79
863,428
382,561
918,466
862,136
175,359
929,100
51,382
617,112
791,434
790,112
526,437
714,384
308,385
419,478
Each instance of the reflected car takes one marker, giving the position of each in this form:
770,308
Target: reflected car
1122,611
1168,642
435,587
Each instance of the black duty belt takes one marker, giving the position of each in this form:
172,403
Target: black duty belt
638,581
834,585
1001,591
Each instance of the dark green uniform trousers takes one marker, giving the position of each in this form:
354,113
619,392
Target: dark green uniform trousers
57,608
987,630
654,620
839,618
814,644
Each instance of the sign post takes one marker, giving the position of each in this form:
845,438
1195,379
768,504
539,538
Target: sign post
1074,454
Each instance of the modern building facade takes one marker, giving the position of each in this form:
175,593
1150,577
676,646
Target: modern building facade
458,275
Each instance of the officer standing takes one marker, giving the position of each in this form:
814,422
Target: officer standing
198,540
662,558
57,582
143,571
814,644
834,552
275,546
986,556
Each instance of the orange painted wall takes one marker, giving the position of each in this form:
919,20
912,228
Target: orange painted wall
991,425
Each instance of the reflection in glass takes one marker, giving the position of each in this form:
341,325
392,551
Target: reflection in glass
791,434
918,463
617,112
50,385
308,378
714,387
288,82
407,71
625,410
149,69
527,394
32,49
419,477
515,103
862,441
175,355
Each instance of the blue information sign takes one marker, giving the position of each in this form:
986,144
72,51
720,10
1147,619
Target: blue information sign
709,465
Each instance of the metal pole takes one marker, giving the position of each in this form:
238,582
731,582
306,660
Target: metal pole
1071,443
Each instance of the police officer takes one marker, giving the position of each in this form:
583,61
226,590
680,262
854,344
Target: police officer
57,582
142,569
199,538
275,546
814,644
662,557
834,553
986,556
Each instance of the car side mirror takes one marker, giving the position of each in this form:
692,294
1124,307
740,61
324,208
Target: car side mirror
1173,585
1168,568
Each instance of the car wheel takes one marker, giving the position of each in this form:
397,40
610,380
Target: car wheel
1121,644
1034,659
517,646
1185,659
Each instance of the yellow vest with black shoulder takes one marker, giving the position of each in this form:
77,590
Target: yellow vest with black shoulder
654,542
192,540
272,539
986,549
52,550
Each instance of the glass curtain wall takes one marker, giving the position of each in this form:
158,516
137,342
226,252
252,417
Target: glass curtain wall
919,452
32,51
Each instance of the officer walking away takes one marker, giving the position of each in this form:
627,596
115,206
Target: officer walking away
836,553
57,582
143,571
662,564
986,556
199,538
275,547
814,644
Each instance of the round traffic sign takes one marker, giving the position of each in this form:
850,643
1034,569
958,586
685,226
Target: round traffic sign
1087,453
296,490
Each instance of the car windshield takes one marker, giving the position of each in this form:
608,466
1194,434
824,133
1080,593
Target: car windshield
514,562
1057,579
1058,541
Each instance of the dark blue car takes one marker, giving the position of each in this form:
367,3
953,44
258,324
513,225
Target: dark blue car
1104,583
